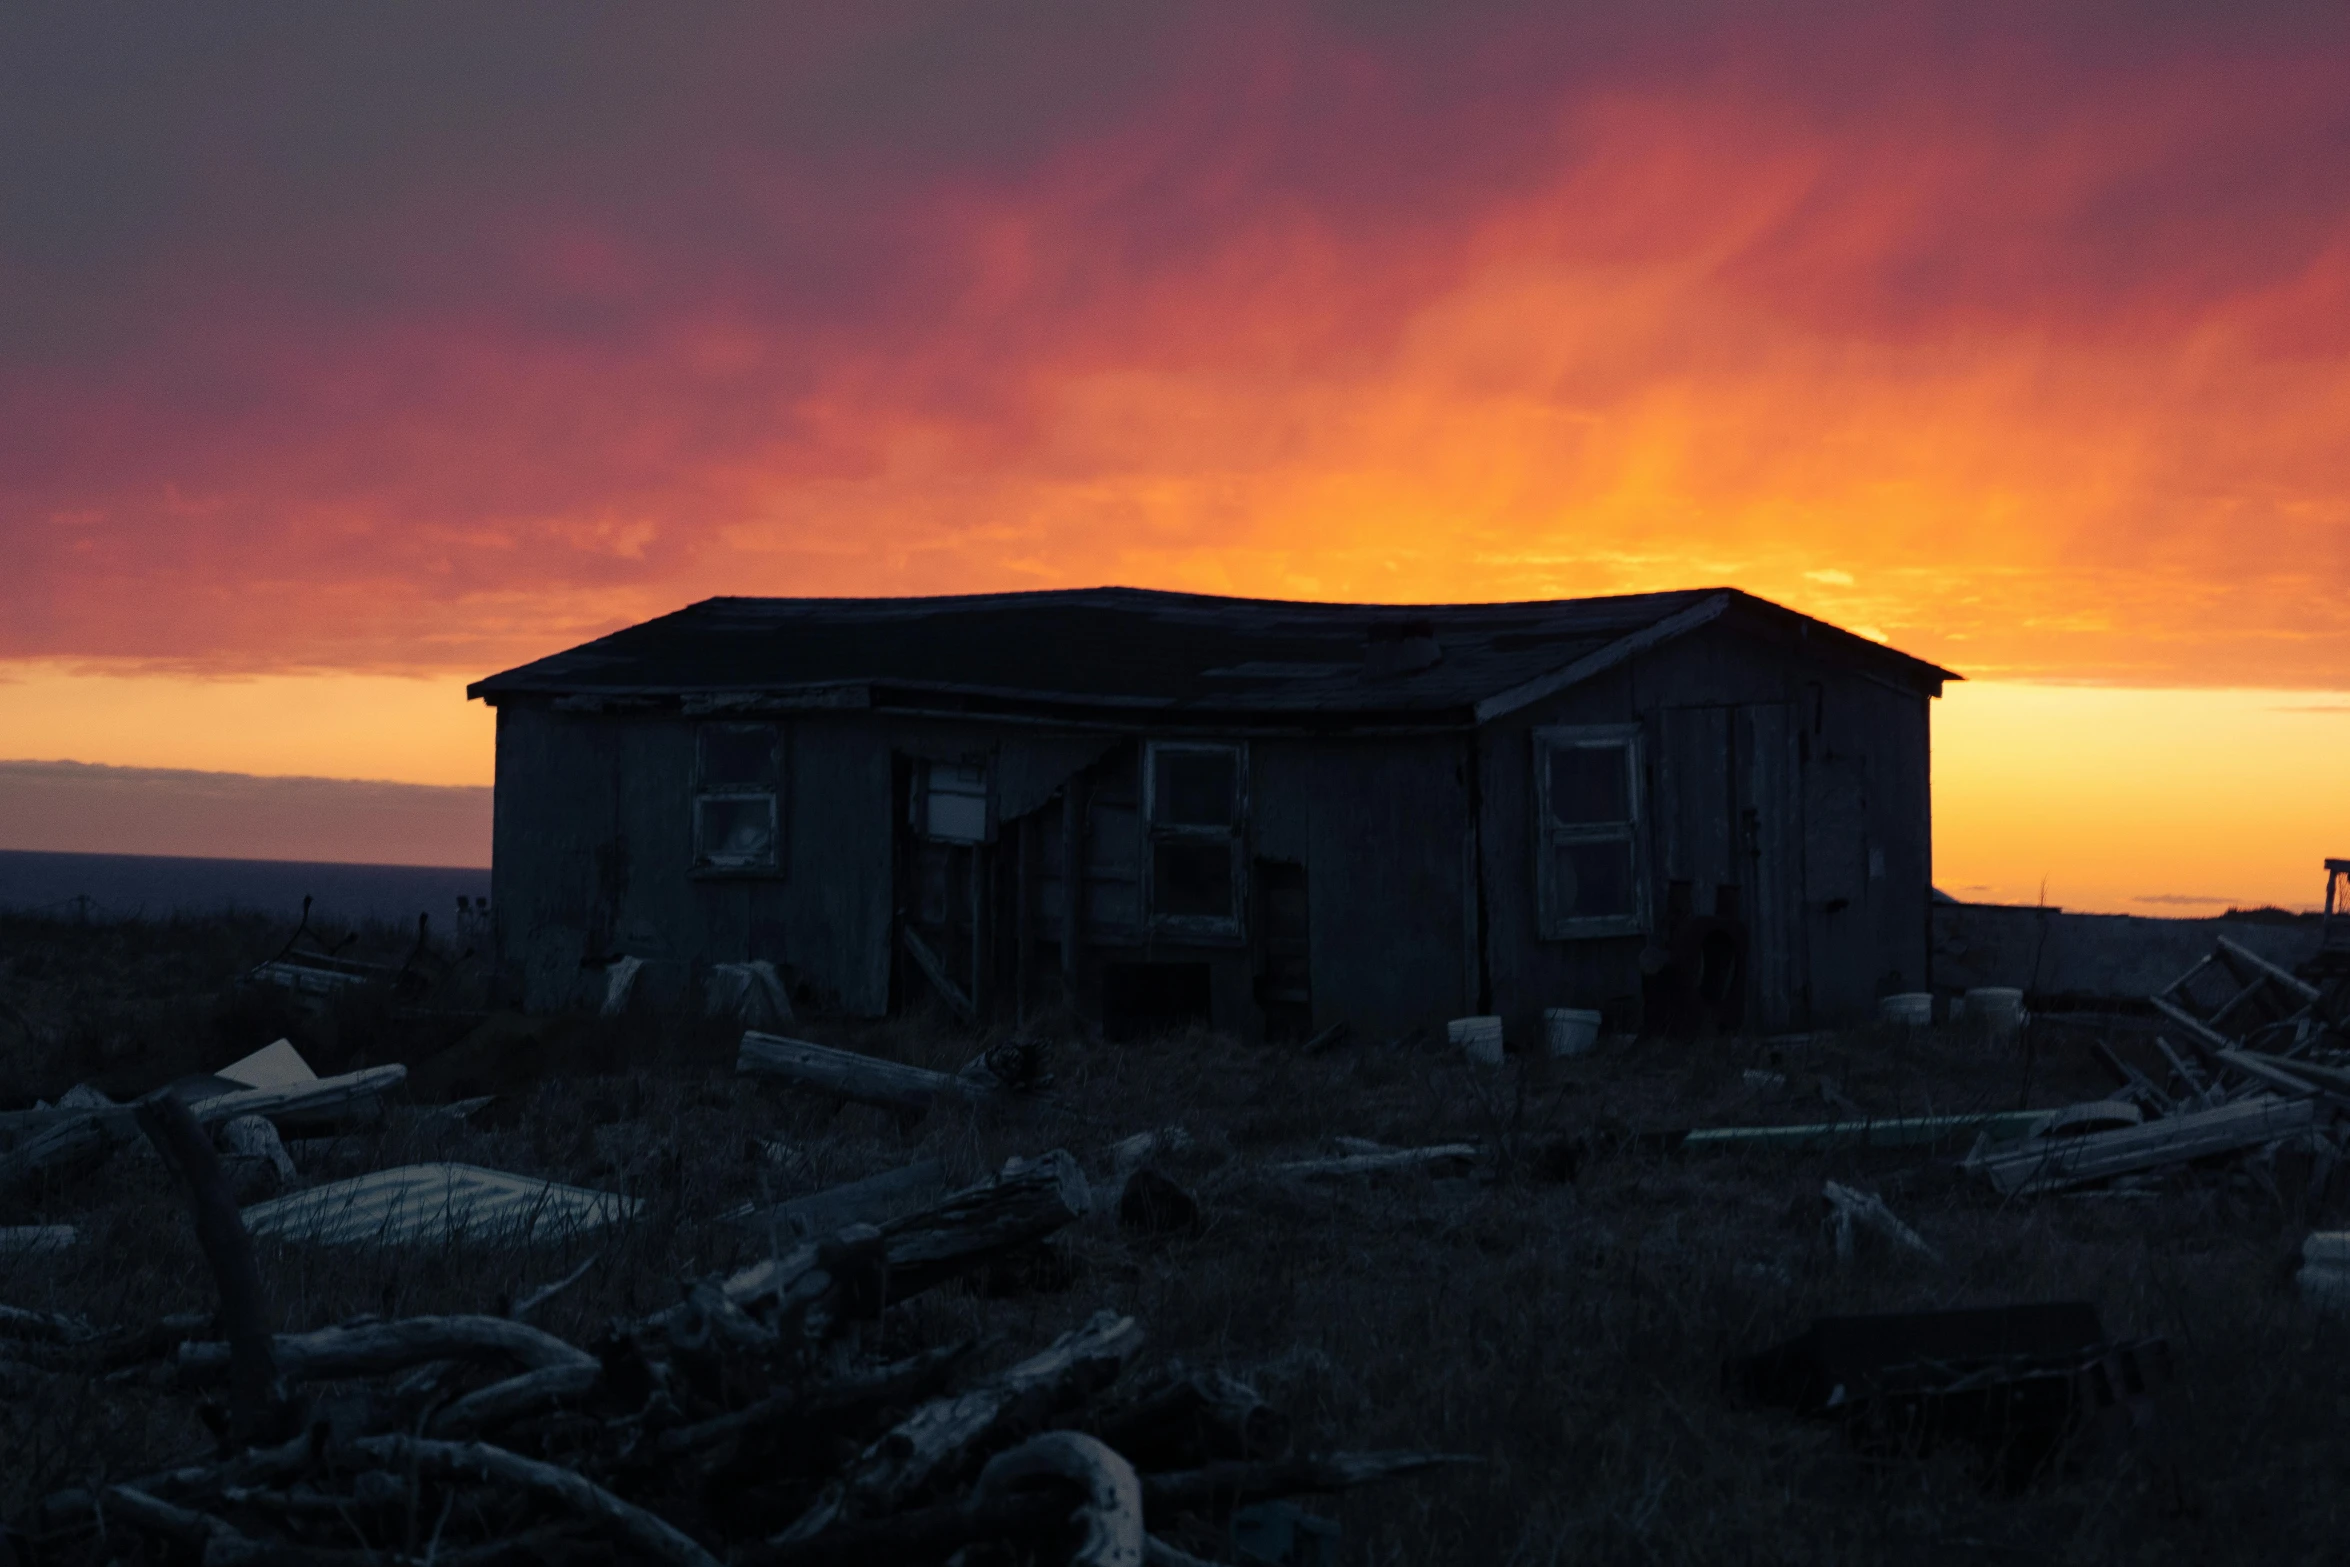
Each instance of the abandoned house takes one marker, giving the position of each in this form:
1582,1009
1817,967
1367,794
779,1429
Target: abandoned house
1692,811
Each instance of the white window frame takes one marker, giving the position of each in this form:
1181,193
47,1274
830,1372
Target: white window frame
1549,834
926,817
1204,927
706,861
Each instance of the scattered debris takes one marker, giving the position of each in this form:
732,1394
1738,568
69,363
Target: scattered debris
827,1454
1755,1077
276,1065
1570,1031
2031,1388
620,984
254,1158
751,993
1478,1038
1849,1207
1997,1009
433,1203
2325,1269
34,1240
319,975
1910,1009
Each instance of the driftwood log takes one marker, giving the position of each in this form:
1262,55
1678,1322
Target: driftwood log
647,1536
942,1435
256,1402
377,1348
692,1434
1096,1484
65,1140
908,1090
1022,1205
874,1200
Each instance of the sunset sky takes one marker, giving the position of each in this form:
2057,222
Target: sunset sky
347,355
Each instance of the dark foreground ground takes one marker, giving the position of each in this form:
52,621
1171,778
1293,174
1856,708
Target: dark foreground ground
1563,1312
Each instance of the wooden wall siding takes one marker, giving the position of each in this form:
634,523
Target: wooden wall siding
1743,792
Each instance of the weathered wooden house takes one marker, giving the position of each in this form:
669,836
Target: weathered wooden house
1692,809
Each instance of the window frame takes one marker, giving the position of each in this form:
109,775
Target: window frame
925,788
707,791
1207,928
1550,834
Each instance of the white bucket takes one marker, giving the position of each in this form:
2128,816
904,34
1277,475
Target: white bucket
1910,1009
1478,1037
1997,1007
1570,1031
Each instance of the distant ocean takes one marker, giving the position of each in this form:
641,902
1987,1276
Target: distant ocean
145,886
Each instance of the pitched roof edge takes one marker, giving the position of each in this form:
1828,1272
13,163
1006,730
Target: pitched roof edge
1502,703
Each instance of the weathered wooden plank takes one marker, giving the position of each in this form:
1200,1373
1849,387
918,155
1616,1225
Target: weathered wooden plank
2071,1161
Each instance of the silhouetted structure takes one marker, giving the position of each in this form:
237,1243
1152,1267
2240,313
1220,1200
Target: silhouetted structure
1696,809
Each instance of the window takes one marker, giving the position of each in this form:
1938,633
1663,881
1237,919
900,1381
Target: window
1588,874
950,802
1192,805
738,820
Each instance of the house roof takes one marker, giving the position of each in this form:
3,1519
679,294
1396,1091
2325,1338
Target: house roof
1088,650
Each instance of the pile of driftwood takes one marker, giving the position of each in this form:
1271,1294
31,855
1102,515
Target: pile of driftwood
2258,1066
781,1414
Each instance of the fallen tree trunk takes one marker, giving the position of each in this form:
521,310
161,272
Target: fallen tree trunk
373,1348
908,1090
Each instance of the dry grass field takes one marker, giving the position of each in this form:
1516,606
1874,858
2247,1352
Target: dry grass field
1563,1311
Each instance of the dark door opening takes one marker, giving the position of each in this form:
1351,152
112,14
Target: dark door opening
1285,976
1142,999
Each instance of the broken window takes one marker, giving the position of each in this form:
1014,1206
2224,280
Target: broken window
738,817
1588,871
1193,802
